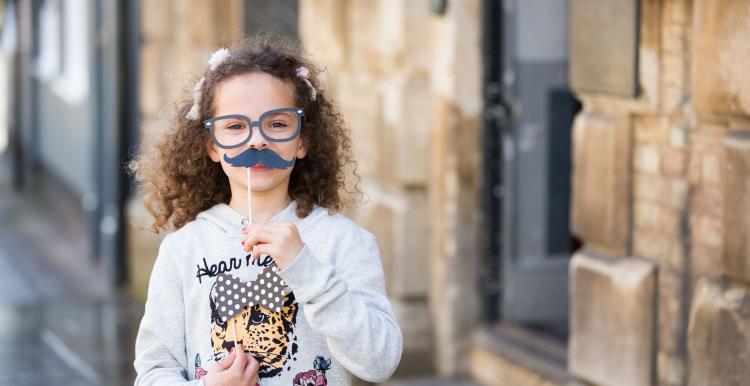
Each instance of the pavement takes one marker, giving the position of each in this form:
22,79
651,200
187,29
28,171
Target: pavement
60,323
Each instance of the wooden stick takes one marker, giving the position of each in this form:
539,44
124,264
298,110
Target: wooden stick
249,198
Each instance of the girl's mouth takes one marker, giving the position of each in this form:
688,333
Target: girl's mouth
259,168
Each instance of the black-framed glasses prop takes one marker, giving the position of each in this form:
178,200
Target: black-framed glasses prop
234,130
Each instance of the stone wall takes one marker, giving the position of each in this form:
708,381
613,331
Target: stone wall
408,83
673,193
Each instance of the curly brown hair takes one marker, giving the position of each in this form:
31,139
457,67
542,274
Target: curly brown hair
178,176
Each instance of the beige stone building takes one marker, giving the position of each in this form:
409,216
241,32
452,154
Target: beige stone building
559,189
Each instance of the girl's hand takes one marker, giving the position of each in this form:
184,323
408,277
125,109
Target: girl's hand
235,369
280,240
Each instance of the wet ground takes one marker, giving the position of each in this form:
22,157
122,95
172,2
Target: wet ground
60,324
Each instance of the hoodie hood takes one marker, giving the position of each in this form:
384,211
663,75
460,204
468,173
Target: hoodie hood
229,221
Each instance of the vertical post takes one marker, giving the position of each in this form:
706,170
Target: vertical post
23,134
113,118
492,183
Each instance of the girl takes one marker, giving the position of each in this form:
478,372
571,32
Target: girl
260,136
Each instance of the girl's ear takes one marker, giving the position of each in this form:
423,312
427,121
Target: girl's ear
301,149
211,149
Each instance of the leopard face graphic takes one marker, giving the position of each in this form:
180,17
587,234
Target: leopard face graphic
263,333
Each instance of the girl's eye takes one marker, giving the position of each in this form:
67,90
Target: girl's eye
277,125
235,126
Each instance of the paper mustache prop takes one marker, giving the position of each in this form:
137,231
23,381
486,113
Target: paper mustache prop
266,157
232,294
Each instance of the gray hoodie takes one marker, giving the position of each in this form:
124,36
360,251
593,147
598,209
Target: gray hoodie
335,320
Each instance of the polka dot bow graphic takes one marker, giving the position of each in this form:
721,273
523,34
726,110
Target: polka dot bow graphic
232,294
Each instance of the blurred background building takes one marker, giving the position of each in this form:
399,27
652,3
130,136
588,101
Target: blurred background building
559,188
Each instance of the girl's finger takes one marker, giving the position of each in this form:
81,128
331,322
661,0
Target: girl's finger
261,249
253,237
240,360
226,362
263,236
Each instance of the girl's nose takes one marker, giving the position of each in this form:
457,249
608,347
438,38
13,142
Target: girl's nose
257,140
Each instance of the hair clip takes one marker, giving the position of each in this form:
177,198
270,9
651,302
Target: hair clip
304,73
216,59
194,110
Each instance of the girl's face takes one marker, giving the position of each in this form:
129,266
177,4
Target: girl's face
252,95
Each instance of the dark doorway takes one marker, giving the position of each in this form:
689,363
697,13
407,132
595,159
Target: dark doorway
528,121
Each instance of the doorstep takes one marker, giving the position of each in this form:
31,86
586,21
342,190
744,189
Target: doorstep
506,355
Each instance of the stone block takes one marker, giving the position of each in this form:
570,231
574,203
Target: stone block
674,42
228,21
672,97
720,80
156,22
719,335
671,193
647,215
676,11
647,159
706,261
612,319
417,54
493,370
657,218
649,53
369,27
200,24
649,129
400,223
182,68
412,258
694,166
407,114
677,196
151,131
380,220
674,161
414,319
654,246
601,204
650,188
677,135
736,221
712,168
706,153
323,30
706,231
362,104
707,200
671,308
143,246
389,36
671,370
149,92
456,58
454,210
